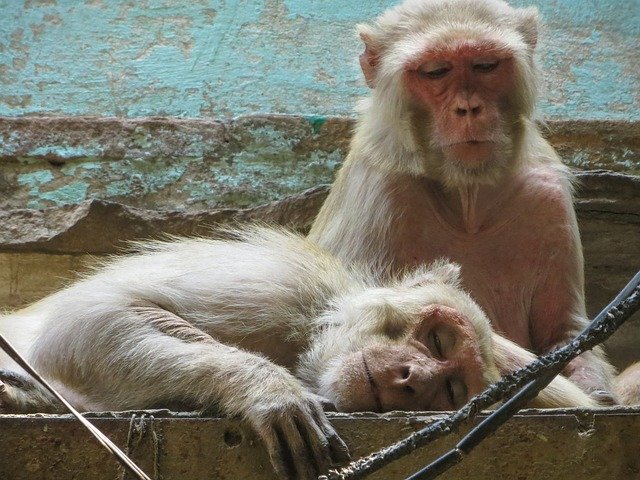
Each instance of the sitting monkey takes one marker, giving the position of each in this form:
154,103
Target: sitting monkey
447,161
263,325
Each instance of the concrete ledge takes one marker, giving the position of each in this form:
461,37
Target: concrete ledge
191,164
98,226
535,445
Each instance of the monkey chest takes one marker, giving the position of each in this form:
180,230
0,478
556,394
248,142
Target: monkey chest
500,268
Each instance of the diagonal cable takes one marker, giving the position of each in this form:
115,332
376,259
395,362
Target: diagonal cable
125,461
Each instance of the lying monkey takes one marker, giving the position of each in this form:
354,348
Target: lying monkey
264,325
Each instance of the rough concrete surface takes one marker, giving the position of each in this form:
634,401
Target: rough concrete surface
221,58
549,445
160,163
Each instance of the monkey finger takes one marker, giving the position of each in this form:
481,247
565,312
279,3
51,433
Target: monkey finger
294,449
337,447
274,449
316,441
327,405
604,398
338,450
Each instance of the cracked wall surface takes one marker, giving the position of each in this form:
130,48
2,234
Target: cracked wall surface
221,58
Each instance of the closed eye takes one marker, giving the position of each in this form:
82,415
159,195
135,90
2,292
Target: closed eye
485,67
438,73
434,344
433,69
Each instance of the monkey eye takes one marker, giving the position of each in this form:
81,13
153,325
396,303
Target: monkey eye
485,66
434,344
434,69
456,392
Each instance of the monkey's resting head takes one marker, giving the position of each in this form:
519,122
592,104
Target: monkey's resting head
425,346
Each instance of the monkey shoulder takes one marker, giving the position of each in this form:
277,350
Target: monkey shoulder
546,191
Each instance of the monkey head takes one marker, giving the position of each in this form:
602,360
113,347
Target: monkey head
438,366
459,79
425,345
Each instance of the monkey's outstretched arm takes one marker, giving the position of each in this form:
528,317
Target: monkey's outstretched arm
140,355
289,419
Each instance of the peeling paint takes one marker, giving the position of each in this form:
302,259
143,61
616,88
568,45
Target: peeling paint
249,162
236,57
63,151
70,194
35,179
316,122
195,164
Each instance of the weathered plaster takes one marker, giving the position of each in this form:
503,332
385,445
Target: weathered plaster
226,58
195,164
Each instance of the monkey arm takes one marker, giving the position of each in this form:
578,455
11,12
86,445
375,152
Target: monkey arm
140,355
289,419
558,311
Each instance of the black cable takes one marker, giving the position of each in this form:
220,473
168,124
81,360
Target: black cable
605,323
619,310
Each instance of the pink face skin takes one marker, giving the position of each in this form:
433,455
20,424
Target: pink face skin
439,367
464,88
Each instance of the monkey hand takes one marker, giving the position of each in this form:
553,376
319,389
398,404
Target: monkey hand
594,376
300,441
604,398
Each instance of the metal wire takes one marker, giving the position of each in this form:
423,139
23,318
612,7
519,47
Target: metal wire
125,461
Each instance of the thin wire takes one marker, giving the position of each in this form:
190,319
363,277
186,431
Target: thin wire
126,462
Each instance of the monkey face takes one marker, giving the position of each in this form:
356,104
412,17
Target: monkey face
465,88
437,367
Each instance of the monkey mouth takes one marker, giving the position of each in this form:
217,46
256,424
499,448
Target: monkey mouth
372,384
468,142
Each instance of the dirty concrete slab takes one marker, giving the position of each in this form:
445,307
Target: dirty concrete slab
244,162
166,163
233,57
551,445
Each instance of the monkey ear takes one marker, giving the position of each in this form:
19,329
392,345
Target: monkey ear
527,25
370,58
442,271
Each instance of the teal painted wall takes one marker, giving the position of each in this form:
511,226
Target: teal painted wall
230,57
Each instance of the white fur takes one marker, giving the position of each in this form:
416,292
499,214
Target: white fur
263,291
357,221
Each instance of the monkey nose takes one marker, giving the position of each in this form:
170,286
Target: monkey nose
413,381
474,111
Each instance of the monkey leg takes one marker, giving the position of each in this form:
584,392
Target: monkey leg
21,394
